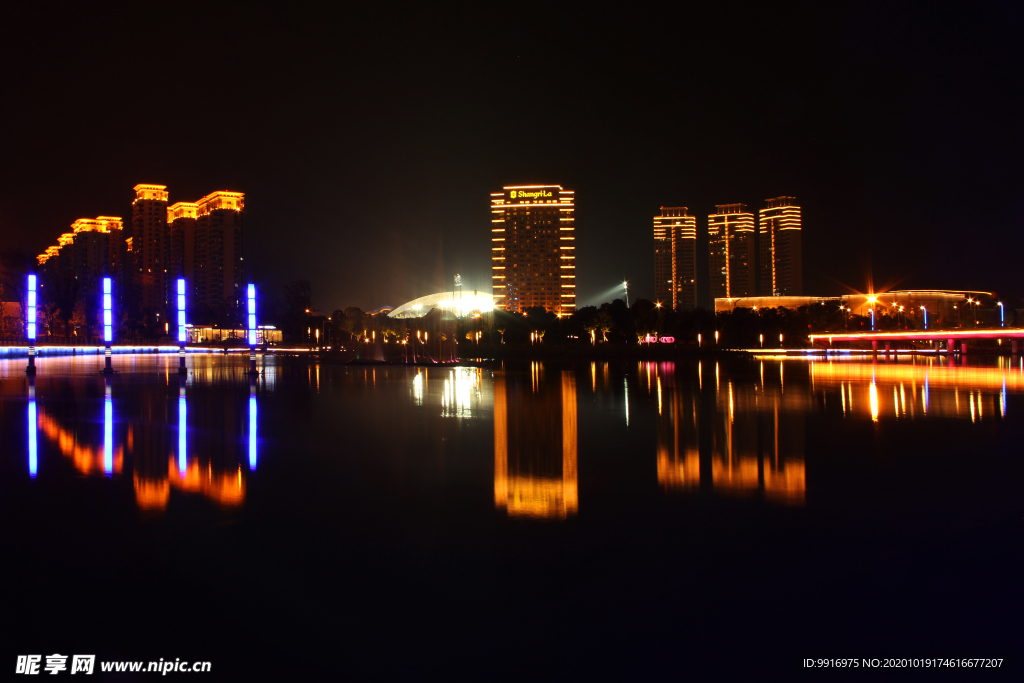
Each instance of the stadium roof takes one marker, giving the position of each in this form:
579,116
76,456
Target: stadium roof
459,303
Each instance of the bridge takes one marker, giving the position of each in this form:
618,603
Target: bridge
950,337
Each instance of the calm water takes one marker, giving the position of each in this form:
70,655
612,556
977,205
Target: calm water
537,520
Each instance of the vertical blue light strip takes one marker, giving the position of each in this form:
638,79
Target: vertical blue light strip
252,315
252,431
108,433
108,316
182,435
31,318
181,310
33,443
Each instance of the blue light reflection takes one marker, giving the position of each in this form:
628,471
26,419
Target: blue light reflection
33,429
182,434
252,426
108,431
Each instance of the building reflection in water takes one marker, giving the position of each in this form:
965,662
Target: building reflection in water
924,389
745,438
459,394
535,446
145,440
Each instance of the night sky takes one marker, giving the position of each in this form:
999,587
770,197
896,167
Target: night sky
368,140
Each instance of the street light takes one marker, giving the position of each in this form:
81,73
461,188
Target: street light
625,283
925,317
1002,314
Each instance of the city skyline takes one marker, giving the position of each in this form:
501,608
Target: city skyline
370,154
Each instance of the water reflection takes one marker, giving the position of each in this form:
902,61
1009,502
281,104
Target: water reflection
924,389
252,424
182,428
535,446
139,437
33,430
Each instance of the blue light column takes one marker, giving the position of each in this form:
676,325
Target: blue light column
925,317
108,324
1002,315
872,318
108,426
252,329
30,330
182,334
33,429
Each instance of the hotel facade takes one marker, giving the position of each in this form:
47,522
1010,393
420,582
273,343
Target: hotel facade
533,258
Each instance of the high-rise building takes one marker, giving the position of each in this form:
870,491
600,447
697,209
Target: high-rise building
97,243
662,259
675,257
533,247
181,224
218,252
781,253
731,243
146,261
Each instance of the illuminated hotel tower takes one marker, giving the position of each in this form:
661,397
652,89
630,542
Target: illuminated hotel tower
533,247
781,257
147,247
731,242
675,257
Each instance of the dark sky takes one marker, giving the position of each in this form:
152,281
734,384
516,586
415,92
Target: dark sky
367,141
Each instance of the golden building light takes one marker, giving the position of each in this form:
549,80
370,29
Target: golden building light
731,243
675,257
533,257
535,473
781,249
